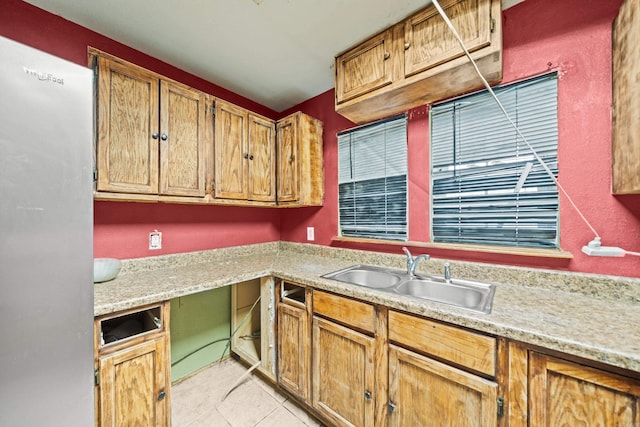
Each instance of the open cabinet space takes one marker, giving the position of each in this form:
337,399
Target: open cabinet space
252,317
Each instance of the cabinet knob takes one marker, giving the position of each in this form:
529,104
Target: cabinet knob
367,395
250,156
291,158
154,135
164,137
407,45
387,55
161,395
391,406
246,156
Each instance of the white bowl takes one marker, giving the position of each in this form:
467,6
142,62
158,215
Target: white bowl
105,269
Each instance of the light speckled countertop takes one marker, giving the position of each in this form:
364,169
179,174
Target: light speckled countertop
591,316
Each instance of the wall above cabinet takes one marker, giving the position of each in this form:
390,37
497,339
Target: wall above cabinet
418,61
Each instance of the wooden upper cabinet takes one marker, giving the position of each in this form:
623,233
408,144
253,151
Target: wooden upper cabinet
626,100
127,113
428,42
287,160
418,61
244,154
563,393
364,68
230,150
300,175
182,121
151,133
158,139
261,161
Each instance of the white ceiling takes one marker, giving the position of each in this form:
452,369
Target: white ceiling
275,52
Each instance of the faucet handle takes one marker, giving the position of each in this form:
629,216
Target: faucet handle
447,271
408,252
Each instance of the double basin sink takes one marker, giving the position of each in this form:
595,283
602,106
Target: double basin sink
467,294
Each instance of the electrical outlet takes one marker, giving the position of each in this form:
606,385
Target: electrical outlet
310,234
155,240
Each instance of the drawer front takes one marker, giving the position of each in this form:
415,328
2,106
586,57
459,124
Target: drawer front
462,347
354,313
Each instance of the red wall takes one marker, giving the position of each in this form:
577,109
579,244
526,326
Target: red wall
121,230
572,37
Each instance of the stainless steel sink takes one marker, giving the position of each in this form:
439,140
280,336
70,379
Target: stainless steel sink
461,293
364,275
467,294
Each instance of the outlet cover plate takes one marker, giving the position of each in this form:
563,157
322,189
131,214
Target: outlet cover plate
155,240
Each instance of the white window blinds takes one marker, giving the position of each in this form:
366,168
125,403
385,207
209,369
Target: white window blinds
487,187
372,180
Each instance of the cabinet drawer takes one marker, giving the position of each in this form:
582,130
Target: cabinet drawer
462,347
130,327
354,313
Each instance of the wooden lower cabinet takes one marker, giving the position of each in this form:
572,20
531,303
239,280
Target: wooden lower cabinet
367,369
343,377
563,393
133,386
425,392
294,345
133,367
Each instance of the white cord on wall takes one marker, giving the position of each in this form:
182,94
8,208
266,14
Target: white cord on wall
594,247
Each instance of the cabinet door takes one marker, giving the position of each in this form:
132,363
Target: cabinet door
230,150
293,346
261,161
429,42
626,100
343,378
127,153
364,68
287,159
424,392
182,139
563,393
133,386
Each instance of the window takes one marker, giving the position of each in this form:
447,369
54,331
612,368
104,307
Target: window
372,180
487,187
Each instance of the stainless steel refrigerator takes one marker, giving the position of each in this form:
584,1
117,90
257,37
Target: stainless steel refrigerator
46,240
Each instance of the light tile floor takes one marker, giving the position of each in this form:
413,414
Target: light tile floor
199,401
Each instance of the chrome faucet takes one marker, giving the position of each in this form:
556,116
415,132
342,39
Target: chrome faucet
412,262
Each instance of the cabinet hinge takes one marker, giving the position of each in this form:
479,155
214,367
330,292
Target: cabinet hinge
213,109
213,185
492,25
500,407
95,175
96,377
